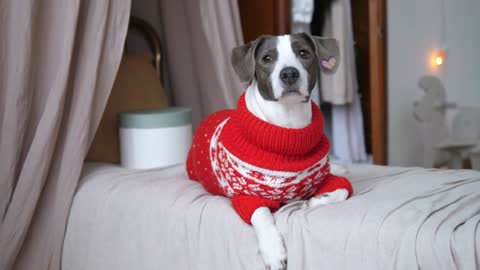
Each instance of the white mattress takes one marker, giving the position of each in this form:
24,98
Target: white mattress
399,218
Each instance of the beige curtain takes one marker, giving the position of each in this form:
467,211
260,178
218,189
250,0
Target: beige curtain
58,61
197,38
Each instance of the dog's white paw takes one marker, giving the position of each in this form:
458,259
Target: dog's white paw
328,198
272,249
270,241
338,169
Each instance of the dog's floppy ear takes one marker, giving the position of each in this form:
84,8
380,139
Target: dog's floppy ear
328,53
243,60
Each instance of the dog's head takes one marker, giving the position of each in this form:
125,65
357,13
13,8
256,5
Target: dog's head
286,67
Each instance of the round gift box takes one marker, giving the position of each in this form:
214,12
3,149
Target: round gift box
155,138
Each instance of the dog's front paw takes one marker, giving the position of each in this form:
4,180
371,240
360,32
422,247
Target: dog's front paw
328,198
272,249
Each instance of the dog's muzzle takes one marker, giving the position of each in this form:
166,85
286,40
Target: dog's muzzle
289,75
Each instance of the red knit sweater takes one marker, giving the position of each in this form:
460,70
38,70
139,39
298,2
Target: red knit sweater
238,155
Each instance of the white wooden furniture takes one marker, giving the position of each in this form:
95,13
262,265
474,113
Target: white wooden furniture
451,133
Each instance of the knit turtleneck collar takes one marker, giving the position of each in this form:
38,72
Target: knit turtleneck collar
278,139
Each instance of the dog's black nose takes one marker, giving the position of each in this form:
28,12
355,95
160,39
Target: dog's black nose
289,75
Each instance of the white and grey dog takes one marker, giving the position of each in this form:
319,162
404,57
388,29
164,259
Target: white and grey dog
283,71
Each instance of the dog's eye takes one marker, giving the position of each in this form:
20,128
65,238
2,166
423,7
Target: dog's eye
303,53
267,58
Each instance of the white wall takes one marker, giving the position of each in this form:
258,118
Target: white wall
414,30
463,38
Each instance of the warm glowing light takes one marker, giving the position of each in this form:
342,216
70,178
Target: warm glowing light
437,59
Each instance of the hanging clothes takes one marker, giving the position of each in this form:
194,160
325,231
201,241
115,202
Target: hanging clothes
302,12
338,88
341,88
348,133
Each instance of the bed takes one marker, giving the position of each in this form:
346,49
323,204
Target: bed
399,218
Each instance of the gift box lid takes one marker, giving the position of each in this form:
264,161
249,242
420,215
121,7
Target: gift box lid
159,118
